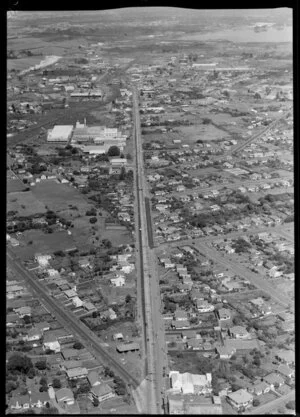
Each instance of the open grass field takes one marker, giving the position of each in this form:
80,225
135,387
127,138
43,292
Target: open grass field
58,197
25,203
190,134
43,243
14,185
23,63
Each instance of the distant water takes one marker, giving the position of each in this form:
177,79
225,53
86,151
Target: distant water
246,35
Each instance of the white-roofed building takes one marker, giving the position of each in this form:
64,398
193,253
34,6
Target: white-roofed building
188,383
60,133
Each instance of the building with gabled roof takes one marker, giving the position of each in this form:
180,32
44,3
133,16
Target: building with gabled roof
240,398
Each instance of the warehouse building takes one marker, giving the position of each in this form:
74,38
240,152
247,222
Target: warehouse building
128,347
60,133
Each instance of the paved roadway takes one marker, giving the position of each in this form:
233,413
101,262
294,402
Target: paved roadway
71,322
156,351
255,279
272,405
241,146
282,230
232,185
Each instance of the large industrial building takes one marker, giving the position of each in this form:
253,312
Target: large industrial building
91,136
60,133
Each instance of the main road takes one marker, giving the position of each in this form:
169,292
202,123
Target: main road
281,230
149,282
70,321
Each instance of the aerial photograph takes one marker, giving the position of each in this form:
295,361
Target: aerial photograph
150,212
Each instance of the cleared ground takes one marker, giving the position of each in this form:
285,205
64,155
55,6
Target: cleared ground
58,197
25,203
14,185
33,241
204,132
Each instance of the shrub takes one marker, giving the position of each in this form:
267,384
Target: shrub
56,383
291,405
113,151
78,345
19,363
41,365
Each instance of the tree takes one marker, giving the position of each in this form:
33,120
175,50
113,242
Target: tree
113,151
256,402
27,319
56,383
93,220
106,243
78,345
291,405
128,298
43,381
83,389
31,373
96,402
10,386
19,363
122,175
41,365
256,361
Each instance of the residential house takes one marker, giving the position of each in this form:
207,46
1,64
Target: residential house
188,334
273,380
19,402
93,378
286,356
239,332
101,392
188,383
43,326
118,336
32,335
286,371
51,342
180,324
70,354
69,364
242,345
12,320
23,311
260,388
240,398
204,307
180,315
118,281
77,373
225,352
224,314
64,396
39,399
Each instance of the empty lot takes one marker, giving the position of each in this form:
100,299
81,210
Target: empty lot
25,203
